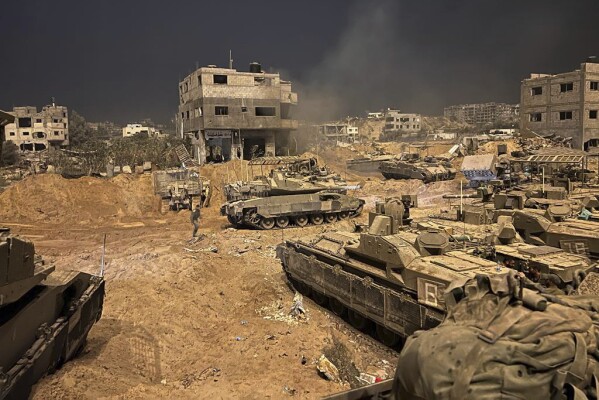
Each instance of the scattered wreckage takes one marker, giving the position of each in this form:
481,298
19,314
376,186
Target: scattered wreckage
45,315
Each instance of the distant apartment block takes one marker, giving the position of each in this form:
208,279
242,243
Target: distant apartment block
234,114
482,113
37,131
139,129
340,132
564,104
400,124
375,115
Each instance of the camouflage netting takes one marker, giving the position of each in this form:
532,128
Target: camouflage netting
500,340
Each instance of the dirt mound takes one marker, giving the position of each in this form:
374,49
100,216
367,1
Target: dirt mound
52,198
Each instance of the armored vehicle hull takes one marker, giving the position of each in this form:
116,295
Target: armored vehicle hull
180,188
426,172
571,235
377,279
45,316
298,210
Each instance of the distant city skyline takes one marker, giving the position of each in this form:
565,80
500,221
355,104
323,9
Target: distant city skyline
122,61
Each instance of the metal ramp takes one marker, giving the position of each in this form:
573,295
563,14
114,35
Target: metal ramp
184,156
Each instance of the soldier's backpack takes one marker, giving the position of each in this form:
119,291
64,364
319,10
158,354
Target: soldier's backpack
502,341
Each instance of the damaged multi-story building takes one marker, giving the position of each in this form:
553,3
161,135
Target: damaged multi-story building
37,131
399,124
482,113
344,132
564,104
234,114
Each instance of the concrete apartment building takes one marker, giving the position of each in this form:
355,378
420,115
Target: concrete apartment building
233,114
482,113
564,104
401,124
37,131
340,132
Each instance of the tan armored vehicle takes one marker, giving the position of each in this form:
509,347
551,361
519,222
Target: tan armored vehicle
181,188
297,209
409,166
377,277
291,176
45,316
572,235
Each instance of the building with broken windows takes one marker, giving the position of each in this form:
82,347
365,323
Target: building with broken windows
482,113
398,124
36,131
564,104
234,114
339,132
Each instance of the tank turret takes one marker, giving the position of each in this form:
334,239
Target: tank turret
427,170
295,176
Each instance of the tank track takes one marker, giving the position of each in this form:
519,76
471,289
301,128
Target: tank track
299,221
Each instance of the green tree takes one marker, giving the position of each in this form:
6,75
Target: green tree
10,154
79,131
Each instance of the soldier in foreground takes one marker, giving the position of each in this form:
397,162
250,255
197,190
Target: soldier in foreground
195,220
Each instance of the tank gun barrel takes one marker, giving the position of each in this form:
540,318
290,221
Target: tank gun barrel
457,196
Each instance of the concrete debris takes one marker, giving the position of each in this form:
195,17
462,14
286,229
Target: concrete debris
367,378
277,312
297,308
289,390
327,369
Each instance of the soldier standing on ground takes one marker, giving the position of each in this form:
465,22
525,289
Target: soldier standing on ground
195,220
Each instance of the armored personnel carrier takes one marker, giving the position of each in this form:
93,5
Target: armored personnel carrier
297,209
409,166
290,176
572,235
180,188
376,276
45,316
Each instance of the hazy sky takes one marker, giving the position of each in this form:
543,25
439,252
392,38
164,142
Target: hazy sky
122,60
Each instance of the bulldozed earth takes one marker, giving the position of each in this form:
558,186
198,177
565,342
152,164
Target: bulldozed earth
208,319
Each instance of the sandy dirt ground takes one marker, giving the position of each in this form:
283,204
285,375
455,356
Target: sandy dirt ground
181,320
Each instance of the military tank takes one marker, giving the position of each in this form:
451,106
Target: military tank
298,210
295,176
378,277
45,315
411,166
